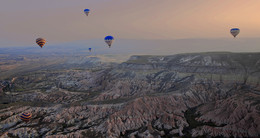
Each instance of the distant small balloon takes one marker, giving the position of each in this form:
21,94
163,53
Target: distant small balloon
86,11
109,40
234,31
26,117
41,42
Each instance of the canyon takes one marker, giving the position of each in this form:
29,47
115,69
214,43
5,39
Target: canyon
214,94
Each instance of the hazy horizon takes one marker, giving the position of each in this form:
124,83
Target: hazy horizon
139,47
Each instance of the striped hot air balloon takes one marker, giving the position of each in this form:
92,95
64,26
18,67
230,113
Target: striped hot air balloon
41,42
26,117
109,40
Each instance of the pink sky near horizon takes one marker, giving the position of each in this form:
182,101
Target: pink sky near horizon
22,21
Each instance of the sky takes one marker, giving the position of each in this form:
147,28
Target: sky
60,21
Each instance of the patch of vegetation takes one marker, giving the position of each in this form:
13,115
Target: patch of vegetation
140,60
128,132
191,115
90,97
258,108
91,134
239,78
256,102
114,101
26,103
19,90
11,135
96,70
79,69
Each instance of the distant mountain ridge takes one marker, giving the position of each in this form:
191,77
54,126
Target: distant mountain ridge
207,59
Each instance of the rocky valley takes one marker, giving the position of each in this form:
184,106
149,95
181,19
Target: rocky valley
185,95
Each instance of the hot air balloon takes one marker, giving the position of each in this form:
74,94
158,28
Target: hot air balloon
26,117
86,11
41,42
234,31
89,49
109,40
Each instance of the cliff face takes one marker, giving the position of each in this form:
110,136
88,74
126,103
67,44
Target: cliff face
203,62
206,94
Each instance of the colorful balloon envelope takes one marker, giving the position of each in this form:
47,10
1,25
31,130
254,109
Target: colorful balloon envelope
109,40
86,11
41,42
234,31
26,117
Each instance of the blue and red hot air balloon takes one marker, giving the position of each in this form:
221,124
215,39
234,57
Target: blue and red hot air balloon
86,11
109,40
